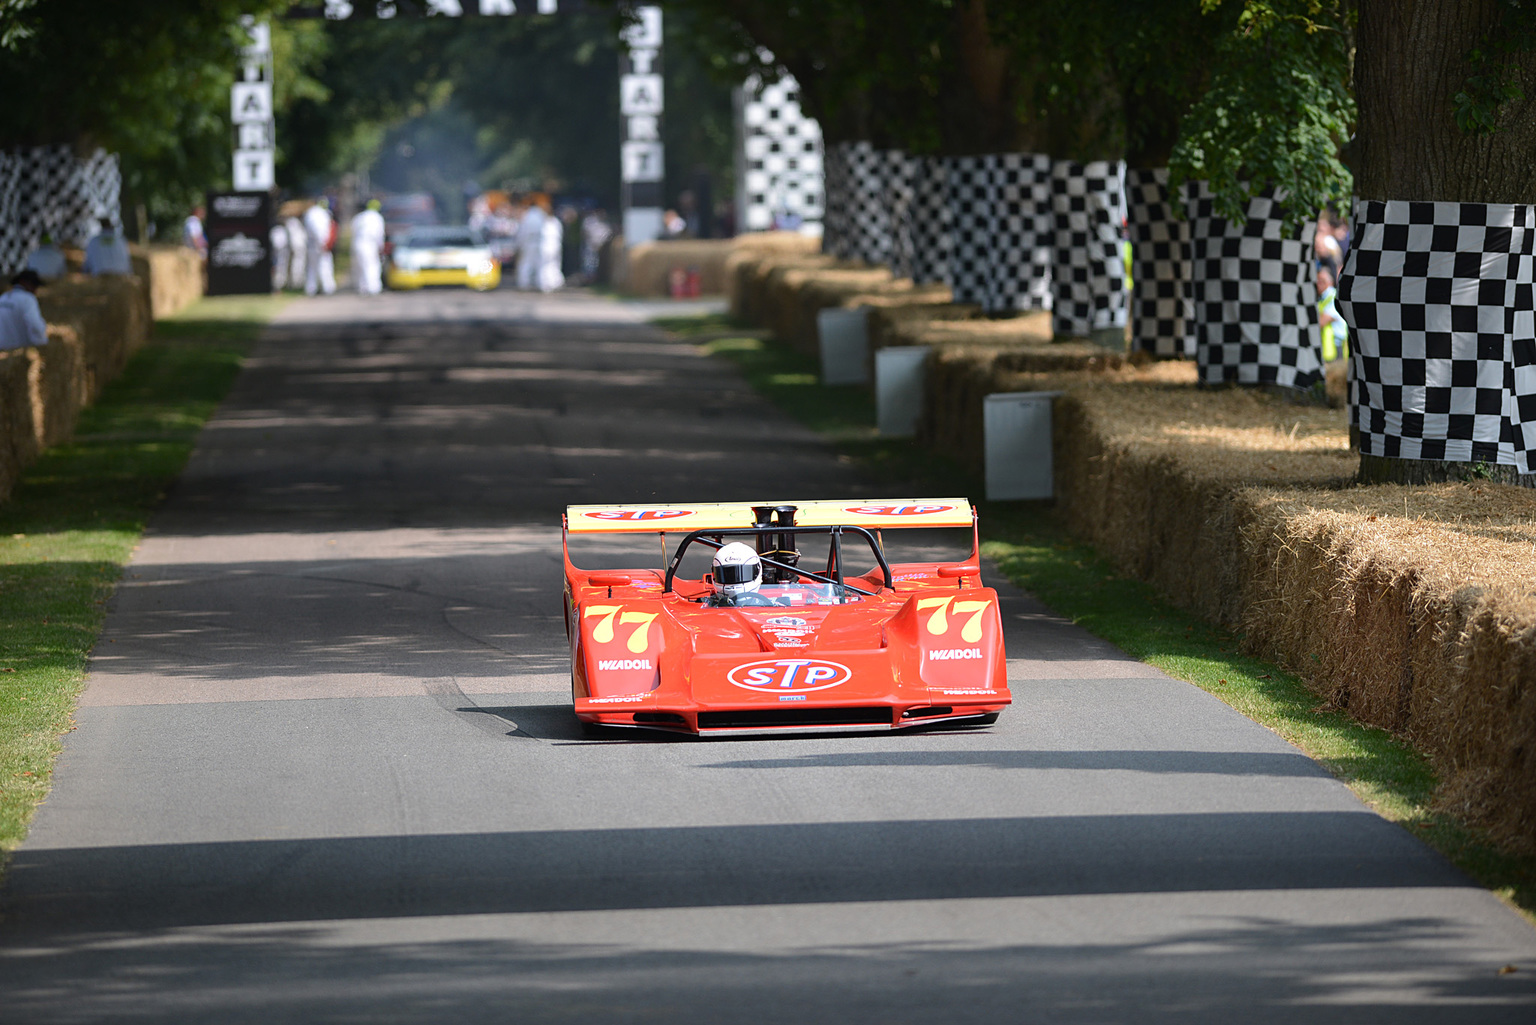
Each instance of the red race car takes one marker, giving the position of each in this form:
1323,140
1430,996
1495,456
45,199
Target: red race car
763,643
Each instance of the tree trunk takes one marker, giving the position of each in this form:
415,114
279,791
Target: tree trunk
1410,63
980,101
1386,470
1409,66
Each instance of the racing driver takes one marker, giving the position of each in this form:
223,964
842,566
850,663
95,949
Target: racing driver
737,573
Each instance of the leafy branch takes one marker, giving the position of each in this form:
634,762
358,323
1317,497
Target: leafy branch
1494,80
1277,111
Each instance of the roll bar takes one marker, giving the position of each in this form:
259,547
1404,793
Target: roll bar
710,537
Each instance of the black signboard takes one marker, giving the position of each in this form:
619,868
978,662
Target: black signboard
239,244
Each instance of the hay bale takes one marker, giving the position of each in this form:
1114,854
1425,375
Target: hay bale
175,277
646,269
750,252
1412,608
57,385
1409,607
1149,466
974,359
785,291
18,438
94,325
849,289
893,325
754,281
111,316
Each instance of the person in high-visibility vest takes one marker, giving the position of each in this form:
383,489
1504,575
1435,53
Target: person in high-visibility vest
1334,330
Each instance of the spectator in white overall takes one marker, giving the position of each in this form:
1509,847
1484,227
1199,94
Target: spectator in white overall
297,244
368,250
551,249
278,239
530,244
319,264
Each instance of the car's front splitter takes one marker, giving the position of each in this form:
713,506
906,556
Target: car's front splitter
689,727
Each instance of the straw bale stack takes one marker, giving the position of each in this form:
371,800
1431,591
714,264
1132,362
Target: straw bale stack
796,298
1414,609
94,325
753,277
907,324
111,316
785,292
18,439
58,386
1148,468
646,269
848,289
974,358
174,275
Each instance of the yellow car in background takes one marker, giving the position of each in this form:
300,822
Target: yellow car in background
442,255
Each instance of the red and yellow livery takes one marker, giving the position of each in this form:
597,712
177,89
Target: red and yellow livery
818,650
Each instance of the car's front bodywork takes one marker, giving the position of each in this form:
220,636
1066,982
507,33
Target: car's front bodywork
424,257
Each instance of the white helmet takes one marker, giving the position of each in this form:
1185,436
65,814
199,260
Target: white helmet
737,569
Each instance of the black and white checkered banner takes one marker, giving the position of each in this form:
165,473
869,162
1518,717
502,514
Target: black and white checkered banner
1255,296
836,239
1438,297
929,221
779,158
1001,231
1088,275
900,183
1022,232
968,198
899,173
47,190
1162,308
869,221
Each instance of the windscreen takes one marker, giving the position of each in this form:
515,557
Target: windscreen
420,238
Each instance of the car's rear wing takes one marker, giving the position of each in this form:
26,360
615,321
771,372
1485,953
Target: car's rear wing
872,514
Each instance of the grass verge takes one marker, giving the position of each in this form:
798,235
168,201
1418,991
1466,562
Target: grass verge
1039,554
73,521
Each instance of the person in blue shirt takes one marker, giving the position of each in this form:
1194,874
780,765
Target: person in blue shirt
48,260
107,252
21,321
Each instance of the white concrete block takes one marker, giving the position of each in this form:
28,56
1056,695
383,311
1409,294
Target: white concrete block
900,375
1017,427
844,338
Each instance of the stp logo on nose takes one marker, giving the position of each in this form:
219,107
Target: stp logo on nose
789,675
897,510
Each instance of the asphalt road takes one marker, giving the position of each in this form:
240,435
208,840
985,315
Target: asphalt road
325,769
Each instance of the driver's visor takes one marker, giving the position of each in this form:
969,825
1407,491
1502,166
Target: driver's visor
738,573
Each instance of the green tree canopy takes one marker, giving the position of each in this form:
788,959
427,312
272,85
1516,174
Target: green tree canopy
146,79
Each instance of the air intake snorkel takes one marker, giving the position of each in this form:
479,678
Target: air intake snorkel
780,547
